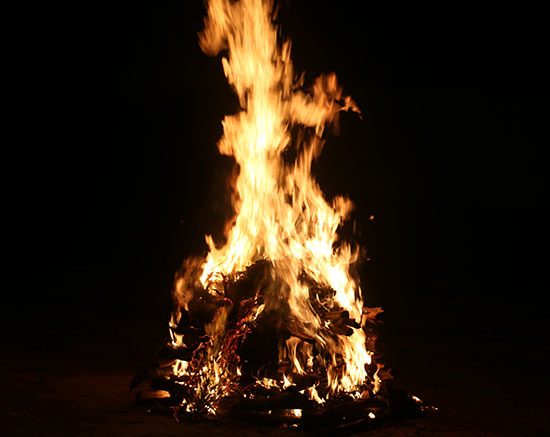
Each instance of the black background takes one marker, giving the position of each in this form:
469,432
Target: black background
112,176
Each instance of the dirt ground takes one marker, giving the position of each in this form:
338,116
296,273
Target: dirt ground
77,385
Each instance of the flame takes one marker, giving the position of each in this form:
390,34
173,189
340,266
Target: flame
312,395
281,214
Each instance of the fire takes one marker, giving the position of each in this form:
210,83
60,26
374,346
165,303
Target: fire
281,218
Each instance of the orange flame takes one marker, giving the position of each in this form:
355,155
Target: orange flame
280,212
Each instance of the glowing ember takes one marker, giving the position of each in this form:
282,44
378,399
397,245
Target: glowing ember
282,270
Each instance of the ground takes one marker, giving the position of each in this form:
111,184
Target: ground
60,382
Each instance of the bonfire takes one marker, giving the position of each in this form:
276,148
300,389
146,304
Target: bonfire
271,323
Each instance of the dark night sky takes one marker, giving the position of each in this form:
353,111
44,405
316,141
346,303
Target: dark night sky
112,174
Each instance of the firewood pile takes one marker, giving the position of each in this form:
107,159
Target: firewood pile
224,358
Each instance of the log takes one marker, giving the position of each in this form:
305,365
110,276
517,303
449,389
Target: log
146,395
341,330
336,315
350,322
301,335
370,315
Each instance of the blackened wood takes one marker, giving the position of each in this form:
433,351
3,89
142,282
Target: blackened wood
341,330
275,400
145,395
350,322
370,315
204,307
299,334
335,315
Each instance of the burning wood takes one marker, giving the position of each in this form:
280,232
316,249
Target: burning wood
273,320
256,358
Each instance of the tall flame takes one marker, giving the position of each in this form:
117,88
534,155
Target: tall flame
281,214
